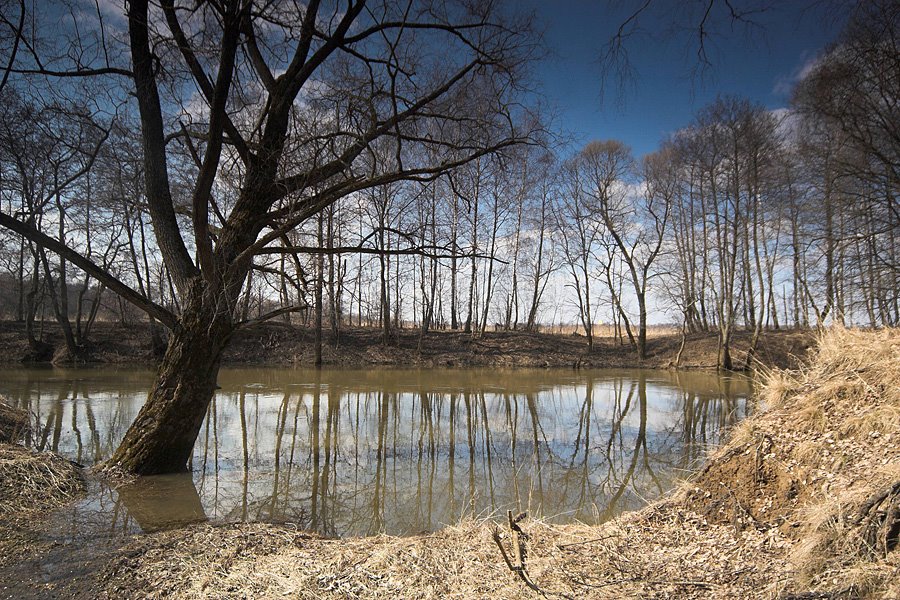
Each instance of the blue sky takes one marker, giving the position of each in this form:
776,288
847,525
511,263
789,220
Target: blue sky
759,64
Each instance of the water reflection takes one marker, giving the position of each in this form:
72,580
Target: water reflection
401,451
162,502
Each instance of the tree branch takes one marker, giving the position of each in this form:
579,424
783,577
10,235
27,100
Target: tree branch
156,175
417,251
15,49
269,316
88,266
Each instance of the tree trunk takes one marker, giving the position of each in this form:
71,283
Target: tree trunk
20,281
474,267
454,320
161,439
642,325
334,268
320,269
59,301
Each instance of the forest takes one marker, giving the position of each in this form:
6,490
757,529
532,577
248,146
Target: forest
745,218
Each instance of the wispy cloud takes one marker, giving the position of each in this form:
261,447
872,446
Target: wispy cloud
785,84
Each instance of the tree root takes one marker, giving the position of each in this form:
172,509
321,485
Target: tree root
879,518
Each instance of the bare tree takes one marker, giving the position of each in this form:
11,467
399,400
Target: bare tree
579,241
543,260
635,223
257,83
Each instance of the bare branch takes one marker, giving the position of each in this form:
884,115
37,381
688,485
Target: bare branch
89,267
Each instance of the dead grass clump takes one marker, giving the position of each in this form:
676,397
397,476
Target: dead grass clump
35,481
872,420
779,385
665,551
824,524
15,423
859,370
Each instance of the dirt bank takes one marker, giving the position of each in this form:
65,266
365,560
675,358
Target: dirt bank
278,344
802,502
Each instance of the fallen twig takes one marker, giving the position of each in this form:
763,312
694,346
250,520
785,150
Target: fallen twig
519,551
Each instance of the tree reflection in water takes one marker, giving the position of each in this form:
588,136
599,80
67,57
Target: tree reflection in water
401,451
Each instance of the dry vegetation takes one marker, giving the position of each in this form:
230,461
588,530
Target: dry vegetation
31,483
822,465
687,558
804,502
15,423
35,481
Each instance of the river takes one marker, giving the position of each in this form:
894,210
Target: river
400,451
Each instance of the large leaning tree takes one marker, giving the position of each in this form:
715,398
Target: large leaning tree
296,105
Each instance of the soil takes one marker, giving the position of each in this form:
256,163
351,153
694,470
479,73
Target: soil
803,501
279,344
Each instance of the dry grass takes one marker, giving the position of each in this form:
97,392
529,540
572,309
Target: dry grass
15,423
662,552
31,481
823,465
35,481
31,485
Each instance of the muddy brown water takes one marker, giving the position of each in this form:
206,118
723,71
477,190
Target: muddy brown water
358,452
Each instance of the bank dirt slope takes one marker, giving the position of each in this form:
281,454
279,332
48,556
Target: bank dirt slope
802,502
279,344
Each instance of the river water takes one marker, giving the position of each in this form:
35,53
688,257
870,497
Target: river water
358,452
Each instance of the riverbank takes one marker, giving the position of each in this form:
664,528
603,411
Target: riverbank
31,485
278,344
803,501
